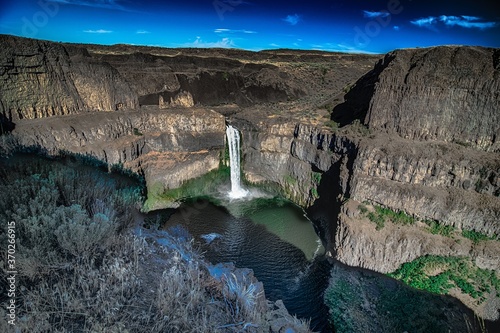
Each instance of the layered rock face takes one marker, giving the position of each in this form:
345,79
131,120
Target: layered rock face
359,244
209,81
168,147
442,165
451,184
448,94
42,79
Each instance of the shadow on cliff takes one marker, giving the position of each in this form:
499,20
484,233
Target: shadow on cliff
326,209
6,125
358,95
334,187
410,309
240,87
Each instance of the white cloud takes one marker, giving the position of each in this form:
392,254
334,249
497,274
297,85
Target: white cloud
425,21
464,21
370,14
100,31
396,27
223,43
107,4
332,47
141,32
232,31
471,18
293,19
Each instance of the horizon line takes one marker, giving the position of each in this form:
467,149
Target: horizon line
250,50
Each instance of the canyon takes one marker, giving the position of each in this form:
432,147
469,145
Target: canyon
413,131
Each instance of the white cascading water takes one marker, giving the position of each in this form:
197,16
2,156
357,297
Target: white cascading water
233,141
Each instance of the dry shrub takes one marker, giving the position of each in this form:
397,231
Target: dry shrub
80,269
87,296
182,301
79,234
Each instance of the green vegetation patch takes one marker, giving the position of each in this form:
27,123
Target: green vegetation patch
395,217
316,177
314,193
289,180
340,296
203,186
333,125
378,219
382,215
439,274
362,208
475,236
367,302
437,228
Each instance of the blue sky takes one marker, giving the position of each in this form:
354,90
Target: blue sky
337,25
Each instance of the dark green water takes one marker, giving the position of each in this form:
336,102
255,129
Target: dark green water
273,238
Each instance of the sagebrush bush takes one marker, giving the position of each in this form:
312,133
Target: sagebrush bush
61,211
80,234
81,269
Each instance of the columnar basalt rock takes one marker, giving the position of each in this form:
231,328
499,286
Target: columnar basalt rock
43,79
447,93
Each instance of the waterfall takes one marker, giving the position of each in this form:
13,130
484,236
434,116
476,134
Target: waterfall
233,141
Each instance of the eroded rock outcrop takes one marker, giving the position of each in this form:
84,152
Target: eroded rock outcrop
448,93
358,243
275,152
42,79
168,147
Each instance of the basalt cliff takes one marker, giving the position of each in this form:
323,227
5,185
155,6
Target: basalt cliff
415,132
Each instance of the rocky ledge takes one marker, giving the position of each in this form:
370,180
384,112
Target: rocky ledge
167,147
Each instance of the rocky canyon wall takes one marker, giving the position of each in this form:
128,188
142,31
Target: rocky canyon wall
42,79
448,93
450,177
51,95
167,147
